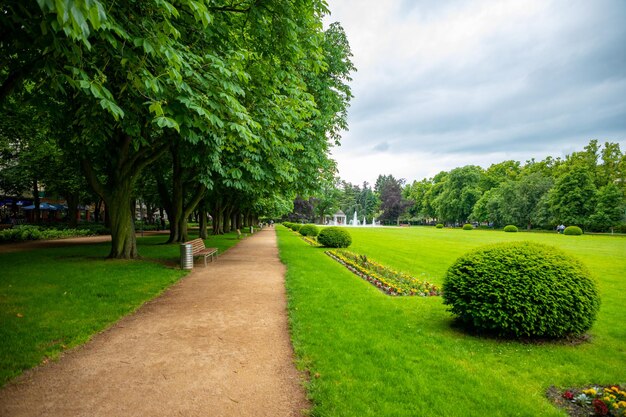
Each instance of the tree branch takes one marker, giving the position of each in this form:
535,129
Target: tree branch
93,180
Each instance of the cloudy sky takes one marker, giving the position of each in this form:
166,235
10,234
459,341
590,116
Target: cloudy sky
447,83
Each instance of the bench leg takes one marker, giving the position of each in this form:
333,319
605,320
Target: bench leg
205,261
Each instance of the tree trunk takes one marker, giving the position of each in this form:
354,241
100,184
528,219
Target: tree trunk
202,226
233,219
123,239
228,225
72,209
178,225
107,216
183,234
238,220
36,202
96,212
117,192
218,217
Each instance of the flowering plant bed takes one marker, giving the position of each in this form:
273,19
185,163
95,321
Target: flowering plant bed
387,280
591,401
310,240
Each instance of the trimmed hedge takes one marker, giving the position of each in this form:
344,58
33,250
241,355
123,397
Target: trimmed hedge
295,227
521,289
510,228
334,237
439,226
573,231
468,226
29,232
309,230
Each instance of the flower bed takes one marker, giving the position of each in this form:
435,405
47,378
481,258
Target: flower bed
592,401
389,281
310,240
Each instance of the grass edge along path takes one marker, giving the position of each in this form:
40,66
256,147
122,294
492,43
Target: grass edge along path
370,354
54,299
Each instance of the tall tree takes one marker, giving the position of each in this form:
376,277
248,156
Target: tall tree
572,200
609,209
461,190
392,203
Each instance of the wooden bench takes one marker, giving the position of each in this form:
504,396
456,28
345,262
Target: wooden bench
198,249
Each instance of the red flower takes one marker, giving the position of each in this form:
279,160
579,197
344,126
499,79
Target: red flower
600,408
568,395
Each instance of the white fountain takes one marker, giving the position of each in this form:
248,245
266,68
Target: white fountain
355,221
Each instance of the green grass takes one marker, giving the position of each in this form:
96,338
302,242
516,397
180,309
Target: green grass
374,355
65,295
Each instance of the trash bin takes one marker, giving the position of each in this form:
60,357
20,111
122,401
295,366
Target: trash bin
186,256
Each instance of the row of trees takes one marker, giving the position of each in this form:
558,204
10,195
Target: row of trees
587,188
384,202
220,107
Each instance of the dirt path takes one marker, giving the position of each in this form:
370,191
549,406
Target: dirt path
216,344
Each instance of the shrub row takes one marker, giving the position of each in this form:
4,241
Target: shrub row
293,226
309,230
331,237
28,232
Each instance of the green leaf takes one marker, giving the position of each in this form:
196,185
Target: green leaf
167,122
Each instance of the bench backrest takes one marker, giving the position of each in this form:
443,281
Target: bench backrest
197,245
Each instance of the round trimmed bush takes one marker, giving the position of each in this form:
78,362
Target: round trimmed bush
439,226
309,230
296,227
287,224
334,237
521,289
510,228
468,226
573,231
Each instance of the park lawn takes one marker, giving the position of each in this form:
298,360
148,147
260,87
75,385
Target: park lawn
57,298
369,354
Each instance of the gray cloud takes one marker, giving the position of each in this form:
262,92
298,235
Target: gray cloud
489,80
382,147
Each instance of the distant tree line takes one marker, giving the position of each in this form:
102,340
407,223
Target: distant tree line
586,188
227,108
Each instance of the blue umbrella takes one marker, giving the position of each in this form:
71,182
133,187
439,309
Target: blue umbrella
42,206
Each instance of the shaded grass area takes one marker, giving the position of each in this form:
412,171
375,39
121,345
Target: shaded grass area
370,354
56,298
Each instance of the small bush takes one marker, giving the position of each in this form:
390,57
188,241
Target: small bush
334,237
295,227
510,228
573,231
521,289
468,226
309,230
439,226
287,224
